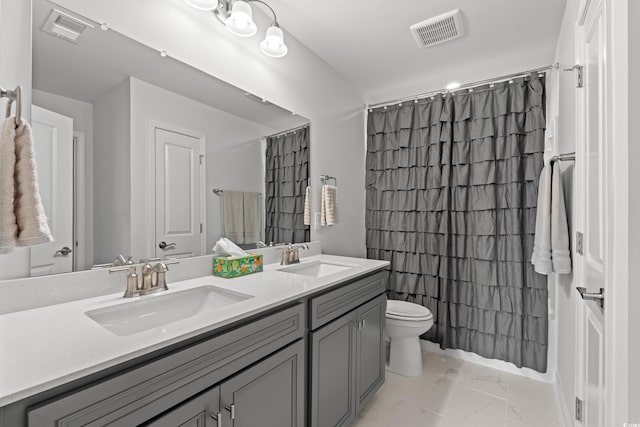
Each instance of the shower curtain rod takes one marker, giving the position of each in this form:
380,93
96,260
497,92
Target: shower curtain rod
287,131
463,87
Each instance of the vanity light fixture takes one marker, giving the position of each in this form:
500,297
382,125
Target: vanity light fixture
237,16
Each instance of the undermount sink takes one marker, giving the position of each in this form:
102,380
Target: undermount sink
316,268
160,310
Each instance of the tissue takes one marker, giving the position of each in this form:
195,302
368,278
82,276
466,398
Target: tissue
226,246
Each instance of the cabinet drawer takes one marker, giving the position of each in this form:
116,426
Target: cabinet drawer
138,394
326,307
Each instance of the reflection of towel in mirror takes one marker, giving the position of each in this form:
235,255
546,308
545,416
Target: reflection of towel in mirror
252,214
329,208
22,218
307,206
233,206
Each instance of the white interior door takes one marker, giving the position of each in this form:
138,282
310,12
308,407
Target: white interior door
593,213
53,145
178,180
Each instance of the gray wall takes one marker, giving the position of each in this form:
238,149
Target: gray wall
112,189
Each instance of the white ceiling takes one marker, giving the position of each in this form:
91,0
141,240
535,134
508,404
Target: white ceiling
369,43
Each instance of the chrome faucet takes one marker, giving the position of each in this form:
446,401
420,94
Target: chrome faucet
153,278
290,253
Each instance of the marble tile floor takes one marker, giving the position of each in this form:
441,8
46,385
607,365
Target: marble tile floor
455,393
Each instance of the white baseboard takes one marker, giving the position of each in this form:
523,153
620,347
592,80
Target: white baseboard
565,413
548,377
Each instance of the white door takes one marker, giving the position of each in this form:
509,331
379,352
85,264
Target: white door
178,194
53,145
594,206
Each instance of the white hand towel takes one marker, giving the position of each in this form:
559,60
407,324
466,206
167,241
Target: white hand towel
233,207
541,257
307,206
33,228
560,255
329,208
252,215
8,223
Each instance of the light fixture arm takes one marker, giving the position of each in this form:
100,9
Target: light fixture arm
223,10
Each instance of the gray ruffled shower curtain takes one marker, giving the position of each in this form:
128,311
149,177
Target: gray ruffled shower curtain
287,177
451,203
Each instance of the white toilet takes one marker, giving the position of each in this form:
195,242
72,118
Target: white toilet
405,322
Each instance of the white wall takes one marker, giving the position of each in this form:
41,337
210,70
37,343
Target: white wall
15,69
561,101
111,169
300,82
149,104
237,168
82,115
633,355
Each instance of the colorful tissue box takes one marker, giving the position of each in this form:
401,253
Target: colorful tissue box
230,267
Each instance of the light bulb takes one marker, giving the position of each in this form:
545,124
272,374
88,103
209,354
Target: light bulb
240,22
273,43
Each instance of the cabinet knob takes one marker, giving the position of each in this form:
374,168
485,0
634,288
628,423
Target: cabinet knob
218,418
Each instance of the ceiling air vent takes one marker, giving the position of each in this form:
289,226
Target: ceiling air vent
439,29
64,26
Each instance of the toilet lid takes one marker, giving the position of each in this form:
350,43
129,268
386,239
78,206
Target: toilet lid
407,310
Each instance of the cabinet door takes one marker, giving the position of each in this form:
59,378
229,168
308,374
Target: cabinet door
269,394
333,376
370,349
200,411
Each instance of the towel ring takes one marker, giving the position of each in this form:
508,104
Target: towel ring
325,178
13,95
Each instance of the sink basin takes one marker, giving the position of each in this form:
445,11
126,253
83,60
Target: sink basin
317,268
160,310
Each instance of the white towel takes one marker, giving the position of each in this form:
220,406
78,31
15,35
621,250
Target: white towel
233,207
551,243
307,206
252,214
560,255
8,224
19,189
329,208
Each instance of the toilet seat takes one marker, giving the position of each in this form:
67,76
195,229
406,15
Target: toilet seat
408,311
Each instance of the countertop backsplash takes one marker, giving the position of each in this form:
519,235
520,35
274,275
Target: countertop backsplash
34,292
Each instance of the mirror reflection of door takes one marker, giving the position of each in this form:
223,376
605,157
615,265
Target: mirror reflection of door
178,192
53,145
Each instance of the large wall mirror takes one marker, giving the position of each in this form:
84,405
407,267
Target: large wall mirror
141,155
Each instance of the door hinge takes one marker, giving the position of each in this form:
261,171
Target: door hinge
200,227
579,69
201,157
578,409
579,243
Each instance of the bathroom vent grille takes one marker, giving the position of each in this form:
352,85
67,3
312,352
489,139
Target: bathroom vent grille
439,29
64,26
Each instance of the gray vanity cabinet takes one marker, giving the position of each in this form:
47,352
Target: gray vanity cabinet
333,373
370,349
346,355
200,411
269,394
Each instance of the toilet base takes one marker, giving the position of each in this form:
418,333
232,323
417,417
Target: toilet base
405,357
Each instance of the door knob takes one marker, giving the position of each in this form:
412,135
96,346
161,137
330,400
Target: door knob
592,296
165,245
64,251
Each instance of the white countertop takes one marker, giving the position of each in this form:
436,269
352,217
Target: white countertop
49,346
